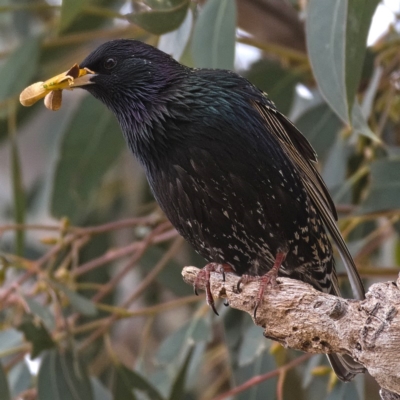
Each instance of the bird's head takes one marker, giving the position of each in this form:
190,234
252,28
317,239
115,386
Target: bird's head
127,73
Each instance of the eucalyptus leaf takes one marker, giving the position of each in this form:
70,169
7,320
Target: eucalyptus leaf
253,344
126,382
344,391
174,43
19,378
70,9
19,68
320,126
99,391
213,43
10,338
43,312
177,343
336,40
161,16
278,82
4,388
80,303
178,385
91,145
36,333
63,377
384,189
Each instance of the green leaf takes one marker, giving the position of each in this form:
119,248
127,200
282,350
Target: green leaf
359,17
253,344
127,381
41,311
279,83
19,378
9,338
344,391
384,188
19,68
70,9
99,391
176,344
320,126
213,44
80,303
360,124
336,41
174,43
35,332
121,386
160,16
91,145
4,389
178,385
63,377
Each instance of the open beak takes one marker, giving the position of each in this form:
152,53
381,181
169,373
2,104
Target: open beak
52,88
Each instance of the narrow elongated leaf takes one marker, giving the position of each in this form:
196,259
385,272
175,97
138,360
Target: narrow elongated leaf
10,338
90,146
19,68
174,42
35,332
4,389
385,187
159,17
41,311
19,378
127,381
336,40
196,330
320,126
62,377
80,303
214,35
178,386
279,83
99,391
344,391
358,21
70,9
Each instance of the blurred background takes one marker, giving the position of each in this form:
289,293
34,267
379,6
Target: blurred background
92,301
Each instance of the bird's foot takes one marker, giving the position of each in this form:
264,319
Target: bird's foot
204,275
268,279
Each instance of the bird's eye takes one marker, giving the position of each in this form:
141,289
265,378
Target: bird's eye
110,63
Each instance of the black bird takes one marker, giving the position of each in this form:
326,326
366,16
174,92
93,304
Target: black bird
234,175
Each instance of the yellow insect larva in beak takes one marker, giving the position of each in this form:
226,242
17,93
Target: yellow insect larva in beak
52,89
53,100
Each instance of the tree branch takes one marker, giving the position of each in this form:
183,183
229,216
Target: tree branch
299,317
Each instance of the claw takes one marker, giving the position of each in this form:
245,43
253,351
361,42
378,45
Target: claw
204,275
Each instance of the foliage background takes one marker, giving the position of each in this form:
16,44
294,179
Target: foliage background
90,269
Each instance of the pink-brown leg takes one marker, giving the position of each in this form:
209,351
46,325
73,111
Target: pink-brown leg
204,275
268,279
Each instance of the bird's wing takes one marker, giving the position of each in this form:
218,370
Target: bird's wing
303,156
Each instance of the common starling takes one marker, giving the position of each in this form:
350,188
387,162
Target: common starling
234,176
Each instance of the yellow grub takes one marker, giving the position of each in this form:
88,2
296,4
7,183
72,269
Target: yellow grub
52,101
51,89
32,94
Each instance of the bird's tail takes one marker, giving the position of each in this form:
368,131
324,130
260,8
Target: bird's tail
345,367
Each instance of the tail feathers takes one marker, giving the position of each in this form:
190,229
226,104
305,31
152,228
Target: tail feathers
345,367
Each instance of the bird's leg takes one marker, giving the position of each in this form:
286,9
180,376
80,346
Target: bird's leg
204,275
267,279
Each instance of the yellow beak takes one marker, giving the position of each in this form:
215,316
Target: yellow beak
51,89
